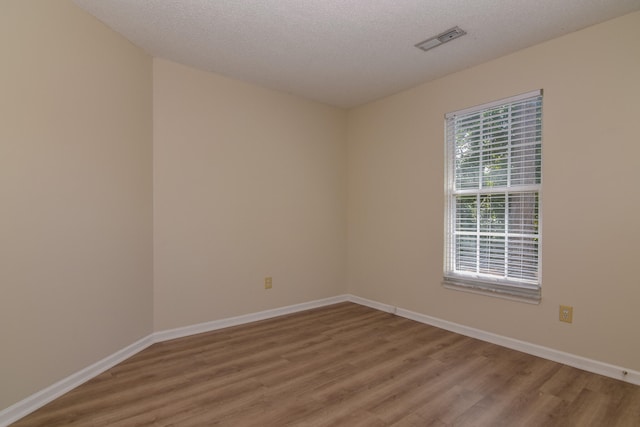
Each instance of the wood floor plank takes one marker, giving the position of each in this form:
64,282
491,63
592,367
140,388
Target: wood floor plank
342,365
445,406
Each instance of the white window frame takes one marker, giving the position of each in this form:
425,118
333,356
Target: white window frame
521,289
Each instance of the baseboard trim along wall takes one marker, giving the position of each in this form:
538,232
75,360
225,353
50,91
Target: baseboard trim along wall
41,398
37,400
590,365
247,318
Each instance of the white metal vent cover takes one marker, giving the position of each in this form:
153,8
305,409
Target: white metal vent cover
446,36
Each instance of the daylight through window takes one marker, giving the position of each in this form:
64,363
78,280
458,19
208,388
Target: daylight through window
494,176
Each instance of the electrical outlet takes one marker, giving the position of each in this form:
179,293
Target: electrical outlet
268,282
566,313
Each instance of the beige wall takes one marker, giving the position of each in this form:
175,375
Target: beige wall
75,194
248,183
591,203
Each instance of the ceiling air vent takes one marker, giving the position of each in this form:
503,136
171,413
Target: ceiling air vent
450,34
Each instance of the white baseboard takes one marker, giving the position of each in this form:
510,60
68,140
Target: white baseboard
372,304
590,365
41,398
247,318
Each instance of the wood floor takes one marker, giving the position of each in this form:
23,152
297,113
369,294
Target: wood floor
342,365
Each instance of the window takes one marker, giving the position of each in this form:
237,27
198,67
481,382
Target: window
493,183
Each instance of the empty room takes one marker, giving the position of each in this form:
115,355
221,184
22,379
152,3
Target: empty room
319,213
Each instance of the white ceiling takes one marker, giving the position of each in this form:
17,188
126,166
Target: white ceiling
342,52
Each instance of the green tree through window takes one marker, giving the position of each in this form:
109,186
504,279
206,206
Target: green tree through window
494,174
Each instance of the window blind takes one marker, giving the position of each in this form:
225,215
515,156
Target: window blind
493,184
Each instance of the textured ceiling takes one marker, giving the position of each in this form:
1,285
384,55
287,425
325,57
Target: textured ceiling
342,52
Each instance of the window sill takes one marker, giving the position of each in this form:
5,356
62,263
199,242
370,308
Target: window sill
488,290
